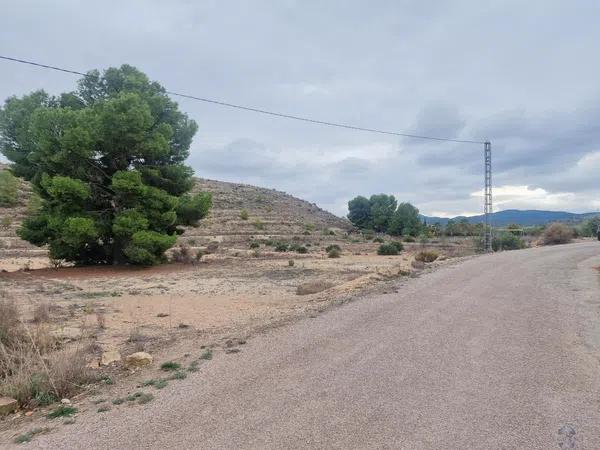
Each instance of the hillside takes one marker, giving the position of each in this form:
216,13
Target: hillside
522,217
271,214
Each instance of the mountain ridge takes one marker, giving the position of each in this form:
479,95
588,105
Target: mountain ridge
526,217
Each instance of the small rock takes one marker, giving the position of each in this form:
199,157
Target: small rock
29,413
109,357
65,401
138,359
8,405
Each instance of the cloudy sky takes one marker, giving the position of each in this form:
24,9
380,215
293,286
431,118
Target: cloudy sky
525,75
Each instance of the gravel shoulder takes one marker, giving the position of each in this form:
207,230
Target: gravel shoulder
500,351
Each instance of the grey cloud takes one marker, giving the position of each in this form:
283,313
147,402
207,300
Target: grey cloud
462,69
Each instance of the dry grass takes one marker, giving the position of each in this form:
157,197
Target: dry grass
426,256
41,313
557,233
313,287
33,369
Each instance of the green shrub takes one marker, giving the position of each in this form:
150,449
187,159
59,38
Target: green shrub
244,214
387,249
281,247
378,240
409,239
398,245
334,252
259,225
301,249
254,245
507,241
333,246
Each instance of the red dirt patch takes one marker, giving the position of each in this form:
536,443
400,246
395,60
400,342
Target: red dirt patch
95,271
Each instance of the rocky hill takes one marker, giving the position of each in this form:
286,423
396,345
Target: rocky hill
271,214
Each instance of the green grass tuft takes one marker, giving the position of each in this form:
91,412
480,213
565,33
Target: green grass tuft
62,411
207,354
170,366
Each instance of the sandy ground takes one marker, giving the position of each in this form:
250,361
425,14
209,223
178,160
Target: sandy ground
218,295
494,352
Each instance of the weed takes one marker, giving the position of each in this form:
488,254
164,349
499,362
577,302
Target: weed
179,375
98,401
118,401
244,214
133,397
103,409
254,245
281,247
193,367
160,384
259,225
207,355
26,437
41,313
62,411
170,366
145,398
291,263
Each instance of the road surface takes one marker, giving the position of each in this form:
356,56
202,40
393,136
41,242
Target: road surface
497,352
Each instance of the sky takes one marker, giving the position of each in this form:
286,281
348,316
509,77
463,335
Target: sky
524,75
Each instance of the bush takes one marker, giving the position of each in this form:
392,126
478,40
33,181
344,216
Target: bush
6,222
8,189
398,245
301,249
259,225
426,256
507,241
409,239
254,245
387,249
331,247
378,239
557,233
281,247
244,214
334,253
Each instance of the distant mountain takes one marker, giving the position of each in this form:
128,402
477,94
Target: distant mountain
521,217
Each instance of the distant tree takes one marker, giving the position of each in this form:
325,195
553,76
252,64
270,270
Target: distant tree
590,226
359,212
406,221
382,210
107,162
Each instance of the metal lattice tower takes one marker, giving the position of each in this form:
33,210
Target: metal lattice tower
487,155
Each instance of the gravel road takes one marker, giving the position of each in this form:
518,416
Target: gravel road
497,352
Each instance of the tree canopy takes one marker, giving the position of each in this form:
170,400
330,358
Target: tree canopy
383,214
107,161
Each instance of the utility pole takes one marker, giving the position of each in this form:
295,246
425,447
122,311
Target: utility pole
487,156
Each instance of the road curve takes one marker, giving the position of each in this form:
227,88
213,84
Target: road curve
497,352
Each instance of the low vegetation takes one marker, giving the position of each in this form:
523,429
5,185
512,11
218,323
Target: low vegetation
313,287
34,369
557,233
388,249
426,256
507,241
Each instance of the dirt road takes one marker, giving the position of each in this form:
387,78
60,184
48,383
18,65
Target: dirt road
500,351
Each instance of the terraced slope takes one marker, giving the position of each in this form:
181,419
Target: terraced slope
271,215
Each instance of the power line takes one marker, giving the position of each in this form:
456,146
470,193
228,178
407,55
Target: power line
262,111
